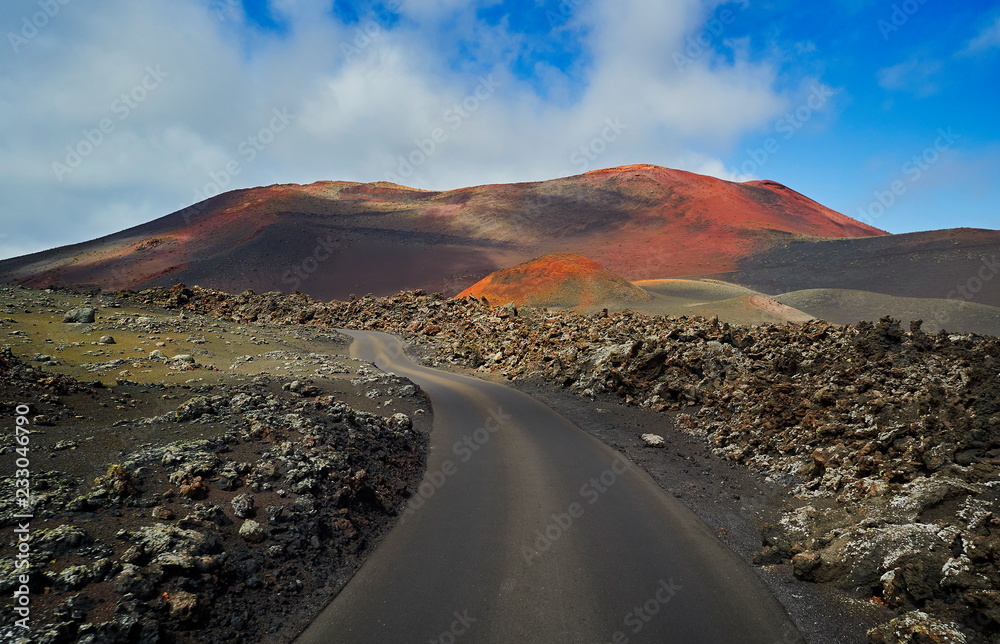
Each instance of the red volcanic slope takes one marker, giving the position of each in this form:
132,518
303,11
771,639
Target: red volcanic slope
695,222
330,239
557,280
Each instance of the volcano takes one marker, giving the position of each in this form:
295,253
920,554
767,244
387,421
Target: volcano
333,238
558,280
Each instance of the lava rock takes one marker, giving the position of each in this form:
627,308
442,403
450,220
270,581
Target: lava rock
400,422
916,627
243,505
183,605
80,316
652,440
252,531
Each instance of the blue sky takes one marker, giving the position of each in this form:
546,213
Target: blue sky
118,113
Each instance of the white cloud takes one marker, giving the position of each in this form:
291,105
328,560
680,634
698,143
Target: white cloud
913,76
988,38
354,111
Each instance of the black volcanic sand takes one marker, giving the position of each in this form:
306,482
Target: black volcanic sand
135,466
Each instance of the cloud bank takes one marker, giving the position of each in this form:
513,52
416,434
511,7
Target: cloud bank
127,111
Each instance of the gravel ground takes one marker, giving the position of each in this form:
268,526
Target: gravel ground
192,480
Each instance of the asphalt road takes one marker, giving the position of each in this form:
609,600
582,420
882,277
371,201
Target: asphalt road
527,529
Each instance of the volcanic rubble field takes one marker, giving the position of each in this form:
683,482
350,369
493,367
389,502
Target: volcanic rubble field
271,465
889,438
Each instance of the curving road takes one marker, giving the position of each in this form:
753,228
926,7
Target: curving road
527,529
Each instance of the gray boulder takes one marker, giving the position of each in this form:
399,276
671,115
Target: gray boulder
80,316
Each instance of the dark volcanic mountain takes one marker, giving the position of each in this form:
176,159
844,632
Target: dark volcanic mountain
961,264
330,239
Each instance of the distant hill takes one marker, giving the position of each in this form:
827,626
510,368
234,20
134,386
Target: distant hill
751,309
555,282
673,296
558,280
961,264
333,238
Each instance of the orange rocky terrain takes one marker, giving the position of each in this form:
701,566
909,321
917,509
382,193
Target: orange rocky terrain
559,280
